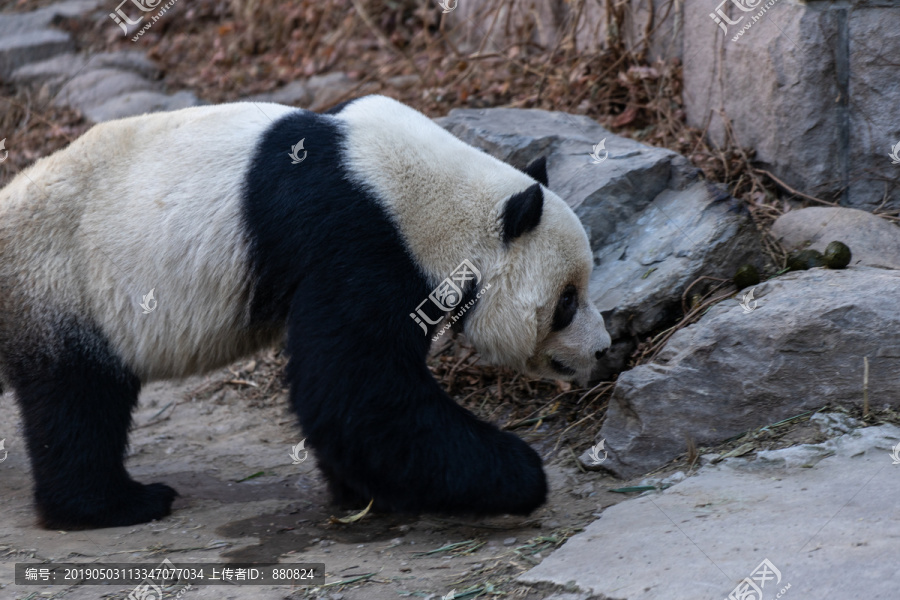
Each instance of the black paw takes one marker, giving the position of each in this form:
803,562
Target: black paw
137,503
345,497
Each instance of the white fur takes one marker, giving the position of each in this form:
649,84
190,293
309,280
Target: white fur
143,203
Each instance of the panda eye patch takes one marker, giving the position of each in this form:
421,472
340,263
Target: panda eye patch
566,308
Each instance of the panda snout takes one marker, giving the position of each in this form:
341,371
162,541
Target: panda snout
602,348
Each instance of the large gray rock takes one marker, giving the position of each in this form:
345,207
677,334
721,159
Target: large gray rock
875,94
647,264
54,72
296,93
103,86
107,86
800,348
316,93
19,49
807,87
42,18
873,241
825,516
764,84
139,103
90,89
604,194
486,26
27,37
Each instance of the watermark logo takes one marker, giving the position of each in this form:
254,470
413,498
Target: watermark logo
895,154
296,450
751,587
121,18
452,594
595,155
449,5
146,303
895,454
721,18
746,6
5,453
296,159
748,303
6,154
594,454
149,589
448,294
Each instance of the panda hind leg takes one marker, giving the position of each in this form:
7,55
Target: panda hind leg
76,402
341,493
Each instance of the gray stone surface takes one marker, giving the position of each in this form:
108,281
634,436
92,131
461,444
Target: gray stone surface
330,88
646,265
873,241
603,195
102,86
800,348
295,93
90,89
55,71
42,18
138,103
776,85
27,37
834,423
825,516
316,93
875,94
486,26
666,32
19,49
807,88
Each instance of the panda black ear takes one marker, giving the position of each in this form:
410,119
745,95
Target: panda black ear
538,169
523,212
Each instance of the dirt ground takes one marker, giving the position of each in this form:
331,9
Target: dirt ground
207,436
224,442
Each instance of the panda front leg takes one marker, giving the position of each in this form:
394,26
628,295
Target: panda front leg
383,428
76,398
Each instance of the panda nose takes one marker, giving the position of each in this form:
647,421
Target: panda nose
599,354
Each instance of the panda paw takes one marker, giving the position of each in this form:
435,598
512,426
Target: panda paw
345,497
139,504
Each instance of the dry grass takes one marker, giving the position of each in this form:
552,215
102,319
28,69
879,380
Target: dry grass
549,413
33,130
23,5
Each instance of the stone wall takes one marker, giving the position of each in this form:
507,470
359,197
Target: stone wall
813,87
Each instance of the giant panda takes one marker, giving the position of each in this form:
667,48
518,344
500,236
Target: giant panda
256,223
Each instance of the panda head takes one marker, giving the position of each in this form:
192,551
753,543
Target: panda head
536,315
